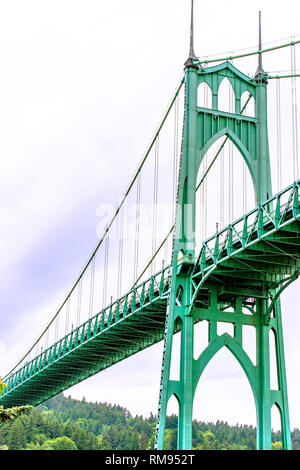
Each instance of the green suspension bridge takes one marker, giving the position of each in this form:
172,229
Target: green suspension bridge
236,276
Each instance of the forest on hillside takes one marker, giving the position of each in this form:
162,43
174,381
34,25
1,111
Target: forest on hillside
63,423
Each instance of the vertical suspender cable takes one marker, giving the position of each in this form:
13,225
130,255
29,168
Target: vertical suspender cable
166,251
222,188
67,316
47,338
206,164
229,184
106,253
294,112
92,285
155,194
121,243
244,187
104,237
204,200
230,168
231,110
203,190
56,327
79,301
244,171
137,227
175,159
278,120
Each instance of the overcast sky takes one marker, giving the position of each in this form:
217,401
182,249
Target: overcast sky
83,85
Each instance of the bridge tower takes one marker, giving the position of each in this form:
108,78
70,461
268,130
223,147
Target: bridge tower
202,127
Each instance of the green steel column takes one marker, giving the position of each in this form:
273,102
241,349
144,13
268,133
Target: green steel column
193,147
165,379
263,438
185,225
263,169
184,244
186,200
186,377
264,192
282,385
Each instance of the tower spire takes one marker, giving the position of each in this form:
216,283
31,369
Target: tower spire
192,53
189,62
259,69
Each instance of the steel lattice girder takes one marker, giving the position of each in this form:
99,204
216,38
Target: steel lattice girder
129,325
137,320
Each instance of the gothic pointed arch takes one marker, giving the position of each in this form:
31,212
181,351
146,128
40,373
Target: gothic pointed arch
208,292
232,345
248,158
204,95
226,96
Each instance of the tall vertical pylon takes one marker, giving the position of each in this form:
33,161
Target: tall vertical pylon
221,298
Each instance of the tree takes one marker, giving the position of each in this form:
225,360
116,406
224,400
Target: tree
60,443
108,427
10,413
170,439
80,437
277,445
144,441
103,443
16,437
2,386
207,440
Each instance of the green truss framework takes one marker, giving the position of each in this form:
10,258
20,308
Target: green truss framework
245,266
236,278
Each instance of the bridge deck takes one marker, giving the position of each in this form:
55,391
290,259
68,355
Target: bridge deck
258,251
125,327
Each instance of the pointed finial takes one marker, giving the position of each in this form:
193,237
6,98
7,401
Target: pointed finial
259,69
190,62
192,54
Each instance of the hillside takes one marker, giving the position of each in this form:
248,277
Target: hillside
65,423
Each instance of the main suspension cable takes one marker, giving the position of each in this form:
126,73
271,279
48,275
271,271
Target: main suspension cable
253,46
248,54
197,188
106,231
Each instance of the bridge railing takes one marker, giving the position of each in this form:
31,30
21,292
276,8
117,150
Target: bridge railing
137,298
270,215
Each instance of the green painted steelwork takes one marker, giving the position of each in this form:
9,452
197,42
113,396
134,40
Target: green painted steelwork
236,278
257,254
109,225
244,266
132,323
